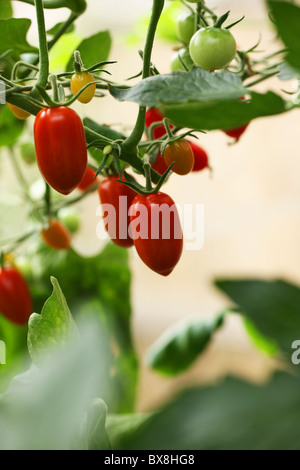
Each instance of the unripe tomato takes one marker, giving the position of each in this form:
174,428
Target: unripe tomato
181,56
200,157
181,154
70,218
116,198
15,298
185,27
56,235
212,48
156,231
78,82
88,179
60,148
27,151
18,112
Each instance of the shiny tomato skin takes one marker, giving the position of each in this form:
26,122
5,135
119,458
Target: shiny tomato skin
181,154
15,298
56,235
78,82
60,148
88,180
110,190
158,240
200,157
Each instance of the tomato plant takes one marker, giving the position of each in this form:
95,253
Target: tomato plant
79,355
60,148
157,239
15,298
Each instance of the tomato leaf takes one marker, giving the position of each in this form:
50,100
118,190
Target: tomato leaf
287,72
230,415
272,306
181,344
54,328
94,49
286,16
13,33
6,10
195,86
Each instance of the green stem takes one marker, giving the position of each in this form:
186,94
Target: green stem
55,94
64,27
43,47
138,130
21,64
48,200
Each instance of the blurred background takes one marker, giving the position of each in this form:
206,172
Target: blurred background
251,199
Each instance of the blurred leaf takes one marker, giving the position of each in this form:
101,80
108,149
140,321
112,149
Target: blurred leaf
52,329
61,52
102,129
273,307
122,427
181,344
231,415
13,33
287,72
45,409
53,31
11,128
286,16
263,343
96,431
94,49
227,114
6,10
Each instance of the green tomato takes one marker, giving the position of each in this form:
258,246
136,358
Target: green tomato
185,27
27,151
70,218
179,58
212,48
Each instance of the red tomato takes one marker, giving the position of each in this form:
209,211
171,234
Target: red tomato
56,235
15,298
118,198
153,115
156,231
60,148
88,180
237,132
160,165
181,154
200,157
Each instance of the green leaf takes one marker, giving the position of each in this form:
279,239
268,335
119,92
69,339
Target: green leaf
94,49
227,114
11,127
195,86
96,421
181,344
6,10
103,130
45,409
286,16
53,329
263,343
273,307
231,415
13,33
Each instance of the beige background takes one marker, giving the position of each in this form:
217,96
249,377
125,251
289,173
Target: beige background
252,221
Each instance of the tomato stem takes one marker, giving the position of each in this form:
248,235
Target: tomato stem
43,47
53,81
78,64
